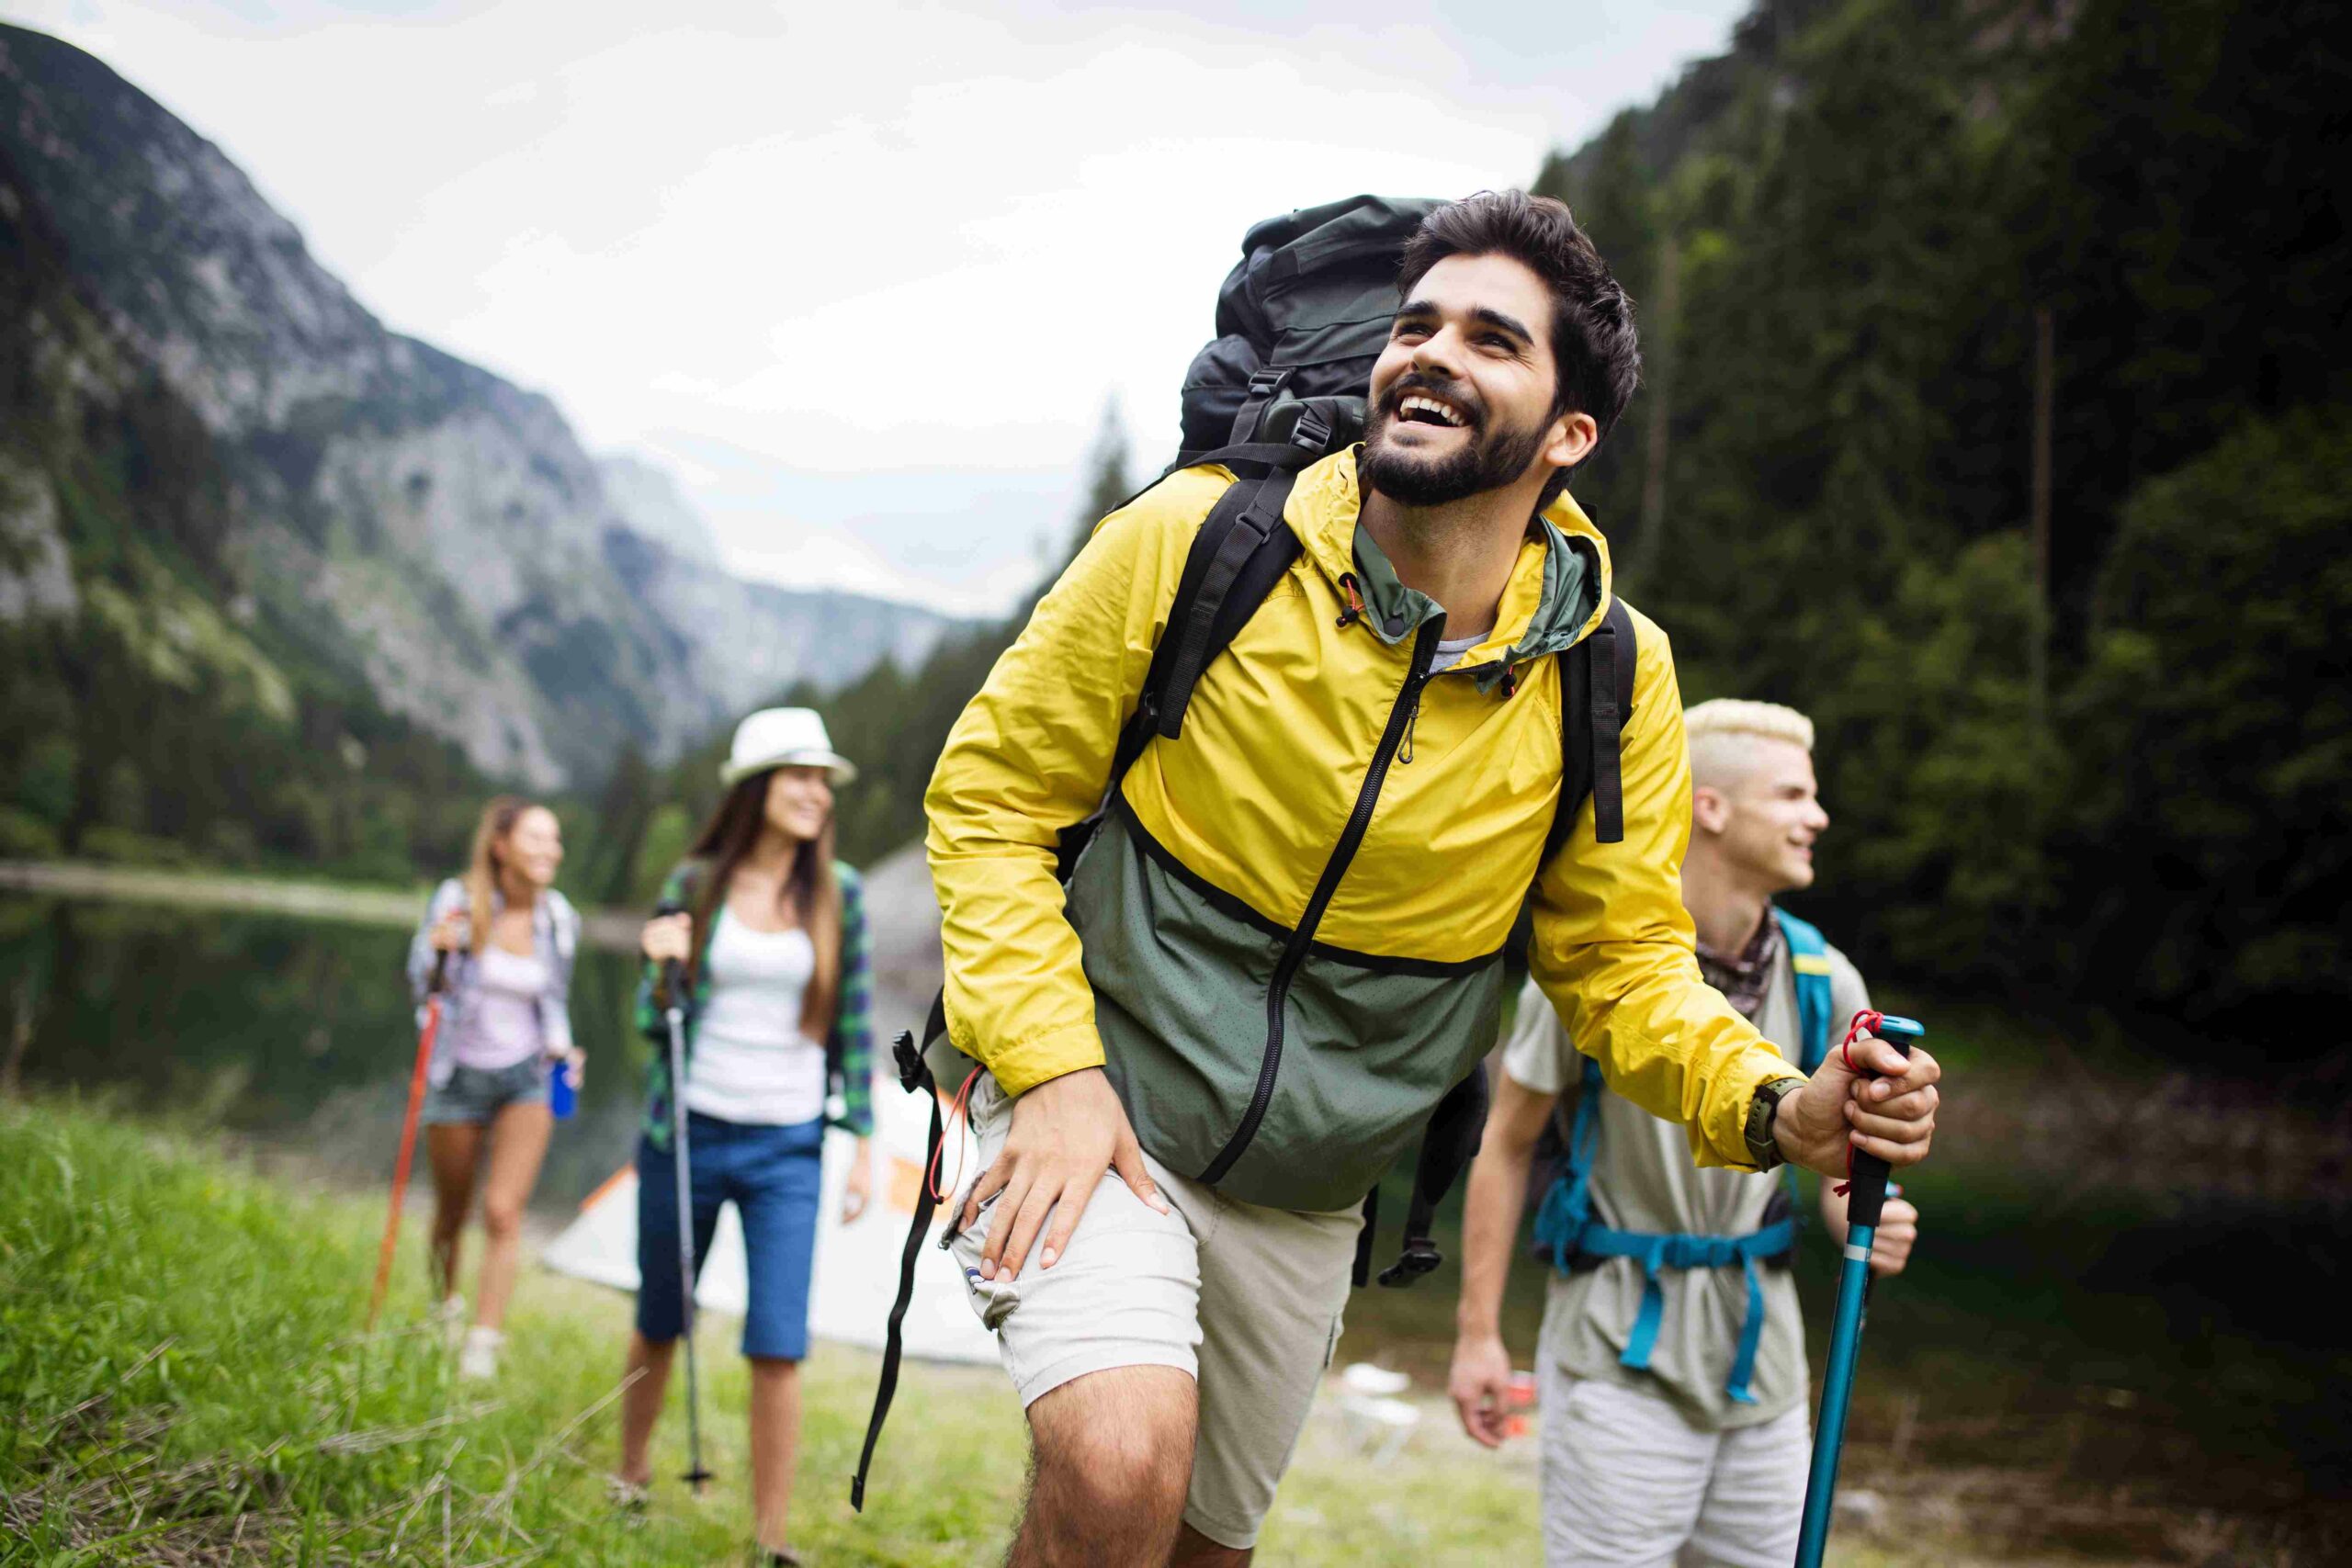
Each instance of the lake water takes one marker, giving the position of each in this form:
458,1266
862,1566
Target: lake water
298,1033
2112,1332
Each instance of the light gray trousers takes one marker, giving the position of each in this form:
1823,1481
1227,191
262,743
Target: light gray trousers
1628,1483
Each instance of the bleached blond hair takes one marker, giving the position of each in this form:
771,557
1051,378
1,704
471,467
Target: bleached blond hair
1721,732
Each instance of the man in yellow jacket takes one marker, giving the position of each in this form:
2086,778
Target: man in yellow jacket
1284,945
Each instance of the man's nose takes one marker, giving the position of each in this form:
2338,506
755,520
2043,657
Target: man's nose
1438,355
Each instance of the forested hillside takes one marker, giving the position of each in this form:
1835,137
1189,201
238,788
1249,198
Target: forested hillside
2114,766
2119,778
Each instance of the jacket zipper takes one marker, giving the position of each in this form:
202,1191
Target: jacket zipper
1343,852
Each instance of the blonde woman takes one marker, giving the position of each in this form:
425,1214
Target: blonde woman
773,950
505,940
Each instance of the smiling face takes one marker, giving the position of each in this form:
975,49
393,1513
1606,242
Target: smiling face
533,848
1762,813
1464,400
800,802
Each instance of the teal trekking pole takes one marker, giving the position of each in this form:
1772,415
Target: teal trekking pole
1865,1200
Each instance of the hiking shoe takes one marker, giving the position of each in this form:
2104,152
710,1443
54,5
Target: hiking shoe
630,1497
478,1362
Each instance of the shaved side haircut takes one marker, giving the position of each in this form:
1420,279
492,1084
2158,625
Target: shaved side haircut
1723,734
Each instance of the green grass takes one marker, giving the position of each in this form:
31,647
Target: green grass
184,1380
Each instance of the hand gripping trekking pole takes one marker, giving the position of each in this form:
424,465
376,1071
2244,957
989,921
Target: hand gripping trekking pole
674,1010
417,1081
1865,1199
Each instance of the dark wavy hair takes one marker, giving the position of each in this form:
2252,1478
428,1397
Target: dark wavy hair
1594,345
809,890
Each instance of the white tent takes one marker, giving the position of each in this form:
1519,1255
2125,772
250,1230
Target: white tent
858,1264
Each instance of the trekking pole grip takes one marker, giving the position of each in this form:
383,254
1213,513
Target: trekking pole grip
1866,1194
672,971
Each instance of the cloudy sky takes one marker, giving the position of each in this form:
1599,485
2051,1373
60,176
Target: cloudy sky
862,276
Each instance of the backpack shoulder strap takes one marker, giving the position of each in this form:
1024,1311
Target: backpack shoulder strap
1809,967
1243,548
1567,1202
1596,702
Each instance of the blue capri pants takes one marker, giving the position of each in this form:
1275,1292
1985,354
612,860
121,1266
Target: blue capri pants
773,1176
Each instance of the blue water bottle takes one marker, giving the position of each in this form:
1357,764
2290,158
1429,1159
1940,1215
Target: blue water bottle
561,1097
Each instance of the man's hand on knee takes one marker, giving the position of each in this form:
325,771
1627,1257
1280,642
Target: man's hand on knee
1065,1133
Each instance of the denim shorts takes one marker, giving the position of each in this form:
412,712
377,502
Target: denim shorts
474,1095
773,1176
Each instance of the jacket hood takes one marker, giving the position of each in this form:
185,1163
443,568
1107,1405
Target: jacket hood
1558,587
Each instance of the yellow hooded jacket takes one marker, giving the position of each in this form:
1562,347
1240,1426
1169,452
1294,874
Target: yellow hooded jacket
1284,945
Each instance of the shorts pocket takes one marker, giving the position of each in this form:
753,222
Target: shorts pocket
993,1299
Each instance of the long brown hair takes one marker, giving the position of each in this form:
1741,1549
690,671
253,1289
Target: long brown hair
486,867
809,889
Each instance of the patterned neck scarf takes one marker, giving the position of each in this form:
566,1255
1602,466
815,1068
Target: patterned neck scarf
1742,978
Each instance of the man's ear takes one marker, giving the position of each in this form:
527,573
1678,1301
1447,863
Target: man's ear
1572,438
1709,809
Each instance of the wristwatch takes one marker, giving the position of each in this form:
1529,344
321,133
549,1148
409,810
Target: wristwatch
1761,1147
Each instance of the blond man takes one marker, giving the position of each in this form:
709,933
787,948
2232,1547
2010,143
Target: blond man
1671,1367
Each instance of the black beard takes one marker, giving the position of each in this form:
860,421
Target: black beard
1495,458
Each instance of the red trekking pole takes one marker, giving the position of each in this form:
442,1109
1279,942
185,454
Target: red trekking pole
408,1136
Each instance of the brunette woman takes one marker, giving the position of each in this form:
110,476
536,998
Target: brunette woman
773,954
508,937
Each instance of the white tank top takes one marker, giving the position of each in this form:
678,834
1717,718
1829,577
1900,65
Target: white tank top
499,1023
752,1064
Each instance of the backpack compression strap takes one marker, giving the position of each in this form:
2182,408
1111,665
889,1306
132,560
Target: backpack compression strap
1449,1143
913,1076
1596,704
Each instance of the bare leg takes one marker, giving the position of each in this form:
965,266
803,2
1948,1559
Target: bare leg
641,1405
1194,1549
518,1142
775,1443
1112,1457
452,1148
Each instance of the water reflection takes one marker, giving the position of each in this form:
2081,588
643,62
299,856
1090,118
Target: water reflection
295,1032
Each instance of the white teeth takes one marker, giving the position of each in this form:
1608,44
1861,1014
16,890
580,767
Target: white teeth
1432,406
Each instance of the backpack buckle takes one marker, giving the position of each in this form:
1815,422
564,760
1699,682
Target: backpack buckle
908,1057
1420,1256
1266,383
1313,431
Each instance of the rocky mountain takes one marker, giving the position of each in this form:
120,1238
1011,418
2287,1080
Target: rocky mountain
373,507
743,642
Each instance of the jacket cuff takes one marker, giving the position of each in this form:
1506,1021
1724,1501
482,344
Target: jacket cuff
1021,1068
1726,1134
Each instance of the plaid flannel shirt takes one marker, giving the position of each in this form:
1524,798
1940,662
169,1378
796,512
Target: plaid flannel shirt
849,1048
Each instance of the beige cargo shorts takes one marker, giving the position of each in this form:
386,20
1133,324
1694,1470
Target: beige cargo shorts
1247,1300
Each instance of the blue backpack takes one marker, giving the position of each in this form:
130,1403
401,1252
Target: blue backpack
1566,1229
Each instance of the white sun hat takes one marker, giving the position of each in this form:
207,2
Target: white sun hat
783,737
